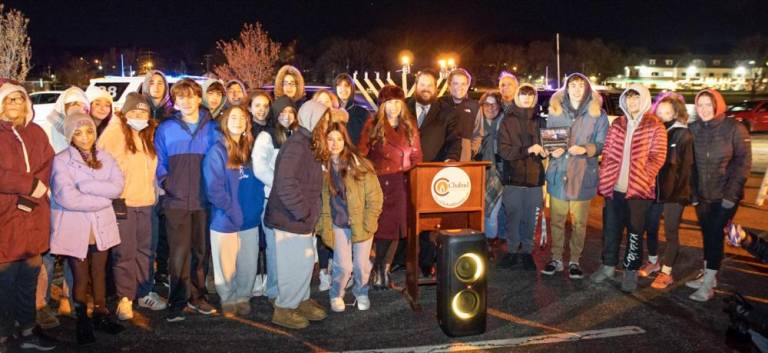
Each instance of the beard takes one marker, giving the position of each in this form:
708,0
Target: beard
420,99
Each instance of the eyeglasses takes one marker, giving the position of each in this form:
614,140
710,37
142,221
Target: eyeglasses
16,100
289,84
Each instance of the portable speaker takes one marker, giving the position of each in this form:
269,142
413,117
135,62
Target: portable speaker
462,264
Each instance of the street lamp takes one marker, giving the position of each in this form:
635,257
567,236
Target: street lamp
451,63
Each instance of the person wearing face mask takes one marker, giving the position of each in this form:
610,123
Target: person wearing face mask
130,141
289,82
635,150
264,155
358,116
84,182
237,199
157,89
25,171
73,99
236,92
258,105
723,157
101,107
214,97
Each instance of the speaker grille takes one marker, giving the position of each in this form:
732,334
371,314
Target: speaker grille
466,304
469,268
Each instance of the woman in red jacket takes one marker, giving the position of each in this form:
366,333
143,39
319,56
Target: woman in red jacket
25,213
391,142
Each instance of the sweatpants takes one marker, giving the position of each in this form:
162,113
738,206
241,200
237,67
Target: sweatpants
520,204
620,213
92,269
132,257
672,212
188,255
713,218
295,262
271,253
558,213
235,264
18,281
350,259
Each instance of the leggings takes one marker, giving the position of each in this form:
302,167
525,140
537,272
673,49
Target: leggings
385,251
93,268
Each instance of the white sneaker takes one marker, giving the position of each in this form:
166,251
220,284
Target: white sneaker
325,281
125,309
363,303
153,301
338,305
698,281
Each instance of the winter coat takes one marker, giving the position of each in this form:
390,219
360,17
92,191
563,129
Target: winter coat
164,109
358,116
236,195
575,177
673,184
138,168
438,134
364,200
723,156
519,131
300,98
396,155
648,151
26,160
82,203
53,125
180,155
264,156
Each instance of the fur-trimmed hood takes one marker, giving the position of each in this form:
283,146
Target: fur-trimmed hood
594,103
288,69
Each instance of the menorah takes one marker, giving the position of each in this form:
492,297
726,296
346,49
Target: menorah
373,86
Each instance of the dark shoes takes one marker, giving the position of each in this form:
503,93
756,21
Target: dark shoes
509,260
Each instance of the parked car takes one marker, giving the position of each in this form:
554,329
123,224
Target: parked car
752,113
119,86
42,103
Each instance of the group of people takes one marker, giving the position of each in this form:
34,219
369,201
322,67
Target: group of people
190,177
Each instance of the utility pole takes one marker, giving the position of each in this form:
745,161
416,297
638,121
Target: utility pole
557,41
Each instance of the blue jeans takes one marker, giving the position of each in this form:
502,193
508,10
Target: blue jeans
350,259
49,262
18,281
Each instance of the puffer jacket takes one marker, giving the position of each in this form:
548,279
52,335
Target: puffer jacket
673,184
520,130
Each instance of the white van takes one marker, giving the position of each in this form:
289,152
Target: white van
119,86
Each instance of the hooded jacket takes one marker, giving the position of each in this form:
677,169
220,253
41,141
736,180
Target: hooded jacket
723,155
242,88
636,152
520,130
94,93
294,206
26,160
82,203
266,147
54,124
575,177
236,195
180,155
215,111
300,90
164,109
673,184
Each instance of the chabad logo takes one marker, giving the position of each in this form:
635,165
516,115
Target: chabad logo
451,187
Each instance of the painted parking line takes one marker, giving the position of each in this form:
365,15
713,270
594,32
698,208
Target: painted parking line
515,342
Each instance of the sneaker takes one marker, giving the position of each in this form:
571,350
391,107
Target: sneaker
243,307
552,267
124,309
696,282
602,274
289,318
229,309
45,318
338,305
649,269
528,263
662,281
363,303
38,340
153,301
508,261
574,271
201,307
175,315
312,311
629,281
325,281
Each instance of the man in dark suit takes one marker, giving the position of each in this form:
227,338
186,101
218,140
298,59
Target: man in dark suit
437,127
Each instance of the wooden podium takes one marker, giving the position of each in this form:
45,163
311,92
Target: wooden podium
447,195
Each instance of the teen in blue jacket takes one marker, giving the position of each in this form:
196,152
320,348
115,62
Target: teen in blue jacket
237,198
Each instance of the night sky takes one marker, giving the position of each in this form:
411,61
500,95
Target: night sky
169,26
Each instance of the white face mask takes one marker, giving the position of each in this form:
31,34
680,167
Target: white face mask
138,124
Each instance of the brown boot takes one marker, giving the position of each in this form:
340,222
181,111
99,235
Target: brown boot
311,310
243,308
289,318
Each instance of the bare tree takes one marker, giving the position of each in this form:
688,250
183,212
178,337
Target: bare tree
251,58
15,50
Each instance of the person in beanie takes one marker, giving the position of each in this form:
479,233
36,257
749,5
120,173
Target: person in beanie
391,142
237,198
181,142
214,97
157,89
520,150
73,99
635,150
25,171
358,116
289,82
572,172
264,156
101,107
723,157
673,189
349,218
258,105
292,211
130,141
84,182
